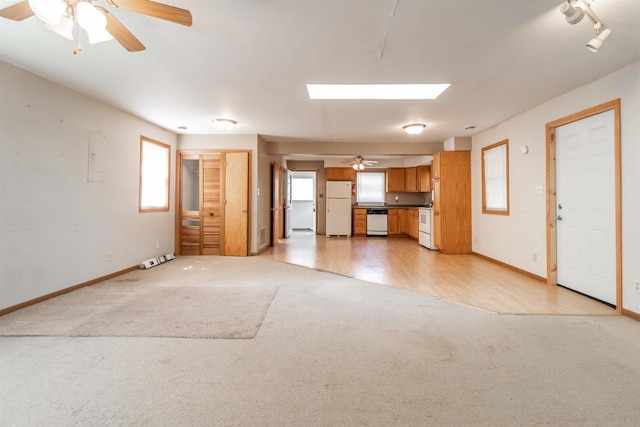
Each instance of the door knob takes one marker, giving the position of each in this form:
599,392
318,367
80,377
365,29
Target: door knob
558,217
243,210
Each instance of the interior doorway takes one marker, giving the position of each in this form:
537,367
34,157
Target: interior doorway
584,224
304,190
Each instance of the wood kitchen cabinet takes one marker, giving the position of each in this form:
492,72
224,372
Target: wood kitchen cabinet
395,180
359,222
410,180
452,201
340,174
402,221
392,222
424,179
413,223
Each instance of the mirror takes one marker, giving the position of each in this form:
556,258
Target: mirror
190,184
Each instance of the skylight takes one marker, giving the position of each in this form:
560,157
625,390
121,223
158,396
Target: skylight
376,91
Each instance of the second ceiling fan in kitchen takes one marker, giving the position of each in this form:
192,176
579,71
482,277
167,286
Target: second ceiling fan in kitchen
359,163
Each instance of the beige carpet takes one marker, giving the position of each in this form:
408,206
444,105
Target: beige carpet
331,351
121,308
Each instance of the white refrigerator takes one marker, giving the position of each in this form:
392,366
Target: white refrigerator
338,208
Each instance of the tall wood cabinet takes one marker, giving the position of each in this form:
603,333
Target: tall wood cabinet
451,187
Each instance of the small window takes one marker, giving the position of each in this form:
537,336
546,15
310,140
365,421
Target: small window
302,190
155,158
495,178
371,188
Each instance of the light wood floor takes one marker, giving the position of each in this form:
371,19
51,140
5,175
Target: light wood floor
464,279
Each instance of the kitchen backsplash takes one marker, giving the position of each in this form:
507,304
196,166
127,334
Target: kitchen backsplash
408,199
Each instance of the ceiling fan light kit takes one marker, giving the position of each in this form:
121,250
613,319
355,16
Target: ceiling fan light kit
68,17
414,128
575,10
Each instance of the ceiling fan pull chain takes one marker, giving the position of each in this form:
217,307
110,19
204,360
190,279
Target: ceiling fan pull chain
78,34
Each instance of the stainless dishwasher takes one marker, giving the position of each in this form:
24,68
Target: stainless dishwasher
376,222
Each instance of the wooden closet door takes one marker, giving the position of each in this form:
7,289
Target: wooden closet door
237,204
190,182
211,205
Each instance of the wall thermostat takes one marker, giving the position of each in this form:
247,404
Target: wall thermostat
524,149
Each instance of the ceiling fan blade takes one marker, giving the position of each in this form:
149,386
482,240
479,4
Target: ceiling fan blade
120,32
156,10
17,12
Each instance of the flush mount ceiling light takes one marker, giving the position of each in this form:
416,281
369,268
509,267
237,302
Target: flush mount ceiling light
575,10
376,91
224,124
414,129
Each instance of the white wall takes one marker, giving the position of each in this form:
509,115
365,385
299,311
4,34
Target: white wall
56,229
247,142
513,239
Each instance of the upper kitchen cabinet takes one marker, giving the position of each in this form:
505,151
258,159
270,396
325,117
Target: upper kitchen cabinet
340,174
410,180
452,201
424,179
395,180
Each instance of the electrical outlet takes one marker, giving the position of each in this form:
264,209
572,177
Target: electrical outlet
637,286
540,189
535,257
110,256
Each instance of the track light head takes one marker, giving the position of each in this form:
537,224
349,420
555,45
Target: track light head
572,14
596,43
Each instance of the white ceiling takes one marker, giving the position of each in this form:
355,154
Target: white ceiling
250,61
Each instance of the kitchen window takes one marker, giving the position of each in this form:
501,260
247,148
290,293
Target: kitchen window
371,187
155,158
495,178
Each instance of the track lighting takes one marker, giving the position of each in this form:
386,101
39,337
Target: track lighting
575,10
572,14
601,35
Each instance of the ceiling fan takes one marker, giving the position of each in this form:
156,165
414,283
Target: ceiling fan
68,17
359,163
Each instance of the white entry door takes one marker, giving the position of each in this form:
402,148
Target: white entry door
586,206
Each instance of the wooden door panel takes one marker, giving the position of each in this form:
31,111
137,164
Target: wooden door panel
237,204
190,239
211,205
211,235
